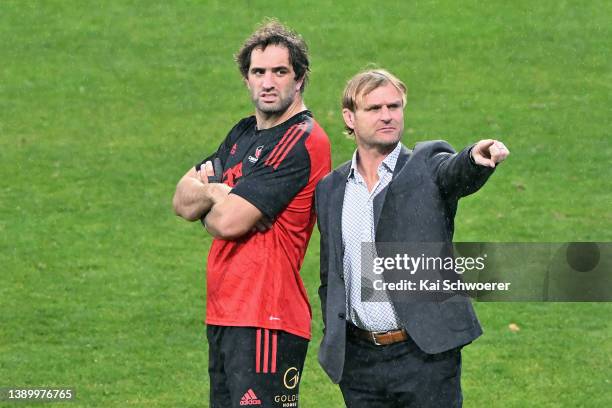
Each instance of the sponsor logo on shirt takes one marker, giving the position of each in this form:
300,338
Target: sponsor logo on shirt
291,378
288,400
255,157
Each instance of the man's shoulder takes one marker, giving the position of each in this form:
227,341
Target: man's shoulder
240,127
332,179
312,129
245,123
432,147
315,134
343,169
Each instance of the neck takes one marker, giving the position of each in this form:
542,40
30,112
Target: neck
369,159
269,120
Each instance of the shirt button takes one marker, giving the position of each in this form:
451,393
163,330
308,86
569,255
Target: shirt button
341,316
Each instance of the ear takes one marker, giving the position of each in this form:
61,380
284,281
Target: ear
246,82
349,118
298,84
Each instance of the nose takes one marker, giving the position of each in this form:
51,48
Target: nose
268,80
385,114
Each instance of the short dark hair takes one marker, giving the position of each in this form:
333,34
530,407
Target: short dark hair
272,32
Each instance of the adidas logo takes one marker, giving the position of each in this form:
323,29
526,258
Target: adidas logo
249,398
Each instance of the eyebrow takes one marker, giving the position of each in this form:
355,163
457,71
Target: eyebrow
274,69
395,104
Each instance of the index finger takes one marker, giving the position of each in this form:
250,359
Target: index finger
486,143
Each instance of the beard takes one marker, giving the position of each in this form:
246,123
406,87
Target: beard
373,141
383,147
277,108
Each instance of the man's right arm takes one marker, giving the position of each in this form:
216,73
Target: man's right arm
454,172
194,196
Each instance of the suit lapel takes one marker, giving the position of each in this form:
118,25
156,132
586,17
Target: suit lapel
380,198
401,160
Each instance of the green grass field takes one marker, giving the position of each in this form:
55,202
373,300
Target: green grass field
104,105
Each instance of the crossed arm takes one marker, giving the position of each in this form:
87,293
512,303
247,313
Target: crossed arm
227,216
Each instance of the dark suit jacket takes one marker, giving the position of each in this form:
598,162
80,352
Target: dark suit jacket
418,205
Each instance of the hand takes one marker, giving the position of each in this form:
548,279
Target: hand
205,171
217,192
262,225
489,152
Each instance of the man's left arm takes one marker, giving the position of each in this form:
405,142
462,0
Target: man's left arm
463,173
259,196
194,194
231,217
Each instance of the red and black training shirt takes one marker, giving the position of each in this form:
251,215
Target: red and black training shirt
254,280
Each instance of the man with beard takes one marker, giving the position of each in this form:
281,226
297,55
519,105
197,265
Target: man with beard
389,353
261,216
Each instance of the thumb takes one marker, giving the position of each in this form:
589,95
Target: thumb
484,145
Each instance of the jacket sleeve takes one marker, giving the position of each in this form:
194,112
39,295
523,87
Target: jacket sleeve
324,251
455,173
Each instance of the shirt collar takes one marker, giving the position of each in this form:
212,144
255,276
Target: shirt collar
389,162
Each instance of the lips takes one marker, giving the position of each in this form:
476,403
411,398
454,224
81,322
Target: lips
268,96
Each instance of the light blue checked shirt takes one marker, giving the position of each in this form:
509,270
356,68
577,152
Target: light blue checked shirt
358,227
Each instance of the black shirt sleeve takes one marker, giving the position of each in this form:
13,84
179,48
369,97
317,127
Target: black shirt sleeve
276,179
226,146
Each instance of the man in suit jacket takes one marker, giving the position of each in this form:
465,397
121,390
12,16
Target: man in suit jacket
392,353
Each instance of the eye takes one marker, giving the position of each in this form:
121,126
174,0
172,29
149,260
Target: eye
282,71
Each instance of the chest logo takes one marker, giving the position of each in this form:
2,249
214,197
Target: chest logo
255,157
233,151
